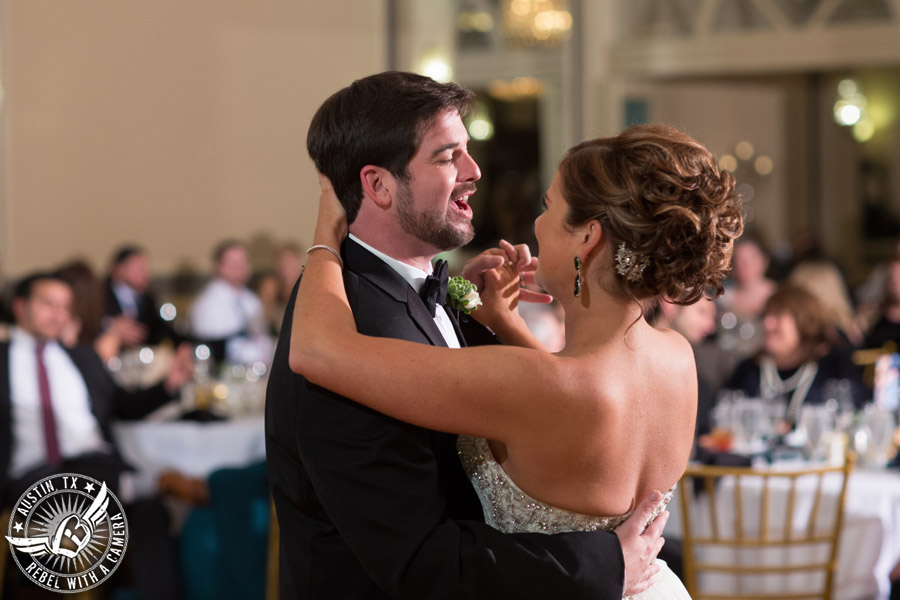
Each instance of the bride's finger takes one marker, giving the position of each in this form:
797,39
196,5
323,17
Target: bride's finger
524,254
526,295
512,254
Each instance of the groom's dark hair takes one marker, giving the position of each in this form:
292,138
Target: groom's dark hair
378,120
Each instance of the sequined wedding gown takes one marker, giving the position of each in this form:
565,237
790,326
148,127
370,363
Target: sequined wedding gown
511,510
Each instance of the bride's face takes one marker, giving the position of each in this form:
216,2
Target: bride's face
556,248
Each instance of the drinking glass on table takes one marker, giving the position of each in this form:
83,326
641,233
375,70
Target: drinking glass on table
817,421
881,424
748,418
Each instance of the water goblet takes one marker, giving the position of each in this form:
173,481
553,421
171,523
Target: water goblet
881,424
817,422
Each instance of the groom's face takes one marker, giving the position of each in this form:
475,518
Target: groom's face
433,205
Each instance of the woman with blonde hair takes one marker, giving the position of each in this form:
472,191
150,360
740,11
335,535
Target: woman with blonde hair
565,441
823,280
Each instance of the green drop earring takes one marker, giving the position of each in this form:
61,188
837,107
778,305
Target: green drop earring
577,276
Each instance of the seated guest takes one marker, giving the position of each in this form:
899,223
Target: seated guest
226,314
798,356
86,324
746,293
275,288
823,279
57,407
130,305
887,324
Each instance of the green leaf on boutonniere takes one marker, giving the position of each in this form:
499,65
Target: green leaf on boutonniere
462,295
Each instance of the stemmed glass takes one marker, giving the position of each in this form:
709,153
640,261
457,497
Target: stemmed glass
748,415
817,422
881,424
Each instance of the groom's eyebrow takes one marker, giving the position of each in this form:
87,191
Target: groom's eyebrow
444,148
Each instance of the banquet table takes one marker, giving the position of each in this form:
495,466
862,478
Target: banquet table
191,447
870,538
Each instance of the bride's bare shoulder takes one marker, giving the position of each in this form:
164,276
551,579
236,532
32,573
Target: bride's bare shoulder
671,350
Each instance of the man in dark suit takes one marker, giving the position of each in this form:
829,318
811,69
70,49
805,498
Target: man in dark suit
130,301
57,406
371,507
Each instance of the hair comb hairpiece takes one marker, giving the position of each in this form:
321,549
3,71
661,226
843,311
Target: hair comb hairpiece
629,264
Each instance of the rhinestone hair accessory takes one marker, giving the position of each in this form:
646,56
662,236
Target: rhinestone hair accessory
629,264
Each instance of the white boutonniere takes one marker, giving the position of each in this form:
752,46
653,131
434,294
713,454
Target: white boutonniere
462,295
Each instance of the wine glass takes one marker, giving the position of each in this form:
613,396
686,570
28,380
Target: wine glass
881,424
816,421
748,417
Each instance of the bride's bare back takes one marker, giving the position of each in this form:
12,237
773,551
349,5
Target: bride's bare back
629,431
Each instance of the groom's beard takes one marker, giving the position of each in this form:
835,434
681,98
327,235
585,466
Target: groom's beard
434,228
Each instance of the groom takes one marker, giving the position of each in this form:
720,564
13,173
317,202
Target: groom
368,506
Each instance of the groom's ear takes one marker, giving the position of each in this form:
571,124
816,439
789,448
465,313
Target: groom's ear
378,185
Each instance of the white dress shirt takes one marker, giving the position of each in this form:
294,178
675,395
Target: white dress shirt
222,311
127,297
76,427
416,278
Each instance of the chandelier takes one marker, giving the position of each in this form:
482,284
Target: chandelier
536,22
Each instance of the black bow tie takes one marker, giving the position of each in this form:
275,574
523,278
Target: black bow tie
434,290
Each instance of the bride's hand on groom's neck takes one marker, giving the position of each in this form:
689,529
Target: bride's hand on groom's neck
331,223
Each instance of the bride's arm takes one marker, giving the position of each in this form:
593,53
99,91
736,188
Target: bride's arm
487,391
500,293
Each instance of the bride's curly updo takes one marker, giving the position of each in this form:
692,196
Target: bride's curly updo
660,192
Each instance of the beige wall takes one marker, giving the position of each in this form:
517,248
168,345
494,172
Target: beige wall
171,124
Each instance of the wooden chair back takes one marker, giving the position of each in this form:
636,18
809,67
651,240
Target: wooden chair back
762,533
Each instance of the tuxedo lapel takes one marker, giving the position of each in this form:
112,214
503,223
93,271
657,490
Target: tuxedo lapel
454,318
378,273
418,312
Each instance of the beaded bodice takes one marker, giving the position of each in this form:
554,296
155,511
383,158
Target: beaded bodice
509,509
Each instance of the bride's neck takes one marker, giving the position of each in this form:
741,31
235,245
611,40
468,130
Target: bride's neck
596,319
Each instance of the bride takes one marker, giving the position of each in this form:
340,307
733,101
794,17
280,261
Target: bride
565,441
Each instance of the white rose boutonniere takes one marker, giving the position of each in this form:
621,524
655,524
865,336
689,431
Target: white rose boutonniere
462,295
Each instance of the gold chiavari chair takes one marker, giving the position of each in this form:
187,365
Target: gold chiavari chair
867,357
721,542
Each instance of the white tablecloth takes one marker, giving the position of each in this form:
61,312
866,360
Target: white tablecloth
193,448
870,540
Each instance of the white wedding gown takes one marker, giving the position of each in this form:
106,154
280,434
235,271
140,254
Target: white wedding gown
511,510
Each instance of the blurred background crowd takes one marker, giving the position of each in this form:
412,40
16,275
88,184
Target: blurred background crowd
156,194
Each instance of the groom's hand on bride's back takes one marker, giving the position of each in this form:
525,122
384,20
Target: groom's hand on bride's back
640,548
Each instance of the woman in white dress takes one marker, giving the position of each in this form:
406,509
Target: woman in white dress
576,437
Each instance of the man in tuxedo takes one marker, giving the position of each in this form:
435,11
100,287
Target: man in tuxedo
57,406
130,300
368,506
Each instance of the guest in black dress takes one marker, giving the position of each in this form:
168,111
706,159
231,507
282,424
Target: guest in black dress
799,355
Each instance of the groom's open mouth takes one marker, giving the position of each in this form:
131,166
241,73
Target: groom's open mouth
461,202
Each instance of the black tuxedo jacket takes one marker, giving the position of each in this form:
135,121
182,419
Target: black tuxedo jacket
371,507
108,401
148,314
